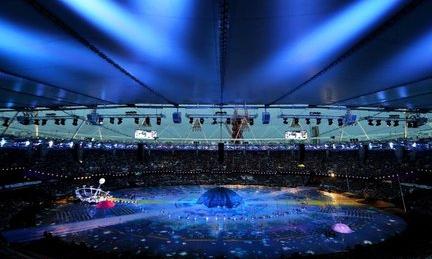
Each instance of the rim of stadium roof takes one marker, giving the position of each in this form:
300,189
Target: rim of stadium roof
8,73
429,77
217,106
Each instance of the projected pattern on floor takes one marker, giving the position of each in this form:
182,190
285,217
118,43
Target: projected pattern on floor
268,222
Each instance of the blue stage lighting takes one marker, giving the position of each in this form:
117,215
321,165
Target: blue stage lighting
327,40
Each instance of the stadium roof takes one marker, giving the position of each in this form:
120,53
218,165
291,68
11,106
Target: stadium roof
320,52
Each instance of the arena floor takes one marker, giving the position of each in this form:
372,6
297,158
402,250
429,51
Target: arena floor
270,222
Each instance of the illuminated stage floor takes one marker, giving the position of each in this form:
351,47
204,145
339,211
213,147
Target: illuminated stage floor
270,222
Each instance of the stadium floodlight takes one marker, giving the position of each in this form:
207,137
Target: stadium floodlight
388,122
378,123
6,122
94,118
24,120
416,121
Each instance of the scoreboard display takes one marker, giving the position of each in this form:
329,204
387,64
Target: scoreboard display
296,135
145,134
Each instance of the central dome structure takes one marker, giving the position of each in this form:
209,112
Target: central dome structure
220,197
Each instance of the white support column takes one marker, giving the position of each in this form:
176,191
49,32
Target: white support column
36,126
100,133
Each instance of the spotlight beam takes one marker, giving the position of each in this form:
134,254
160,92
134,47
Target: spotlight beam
69,30
357,46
